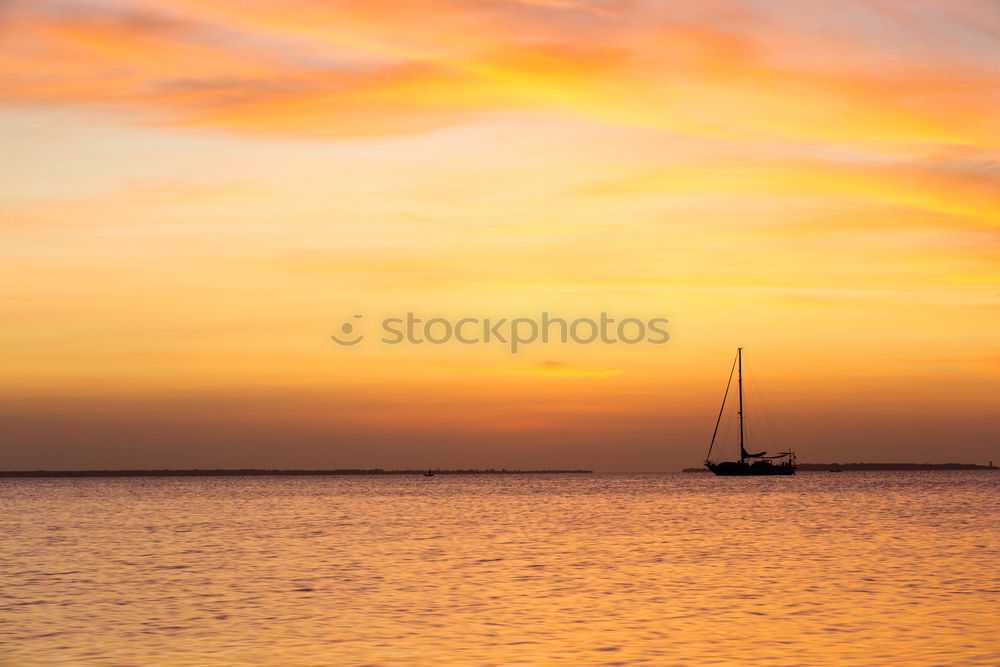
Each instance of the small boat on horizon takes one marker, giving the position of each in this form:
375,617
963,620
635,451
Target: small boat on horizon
429,473
782,463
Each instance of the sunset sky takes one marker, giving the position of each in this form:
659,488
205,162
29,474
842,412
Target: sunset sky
196,193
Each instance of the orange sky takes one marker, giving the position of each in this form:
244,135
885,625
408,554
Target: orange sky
197,193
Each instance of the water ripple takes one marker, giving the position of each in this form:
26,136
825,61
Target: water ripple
851,569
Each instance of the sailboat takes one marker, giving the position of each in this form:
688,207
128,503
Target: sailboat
782,463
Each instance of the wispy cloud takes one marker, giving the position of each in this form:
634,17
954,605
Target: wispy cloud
968,191
194,192
363,68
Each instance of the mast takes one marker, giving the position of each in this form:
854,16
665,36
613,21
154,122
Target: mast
729,383
739,364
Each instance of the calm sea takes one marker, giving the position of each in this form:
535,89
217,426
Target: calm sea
661,569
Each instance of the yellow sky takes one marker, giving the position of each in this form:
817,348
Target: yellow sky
195,194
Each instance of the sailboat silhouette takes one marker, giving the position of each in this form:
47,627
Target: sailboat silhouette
782,463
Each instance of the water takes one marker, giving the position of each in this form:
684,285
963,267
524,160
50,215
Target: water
671,569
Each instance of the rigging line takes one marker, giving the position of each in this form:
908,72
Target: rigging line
766,432
722,440
765,410
752,394
759,434
767,427
728,444
770,420
721,408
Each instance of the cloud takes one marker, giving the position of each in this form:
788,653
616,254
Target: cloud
966,191
389,67
551,367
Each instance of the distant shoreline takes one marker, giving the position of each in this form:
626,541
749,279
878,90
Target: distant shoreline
262,472
259,472
878,466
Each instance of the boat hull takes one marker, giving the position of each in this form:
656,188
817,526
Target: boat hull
743,469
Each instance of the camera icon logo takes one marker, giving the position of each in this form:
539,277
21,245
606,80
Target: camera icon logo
346,330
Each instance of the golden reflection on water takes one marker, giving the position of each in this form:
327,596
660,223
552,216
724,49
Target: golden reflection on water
850,569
